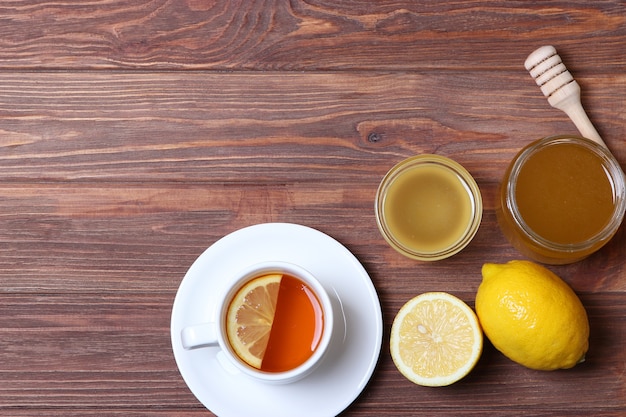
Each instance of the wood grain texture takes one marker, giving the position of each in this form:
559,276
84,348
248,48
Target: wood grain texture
216,127
306,35
83,342
133,135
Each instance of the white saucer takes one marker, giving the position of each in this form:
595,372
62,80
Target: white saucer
352,355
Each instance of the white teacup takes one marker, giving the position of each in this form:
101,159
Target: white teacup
294,277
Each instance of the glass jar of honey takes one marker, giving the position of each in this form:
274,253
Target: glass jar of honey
562,198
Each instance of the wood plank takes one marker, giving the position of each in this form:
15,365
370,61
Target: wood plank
77,238
408,413
313,35
89,352
129,127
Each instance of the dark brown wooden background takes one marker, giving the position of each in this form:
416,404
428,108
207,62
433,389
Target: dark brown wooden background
134,134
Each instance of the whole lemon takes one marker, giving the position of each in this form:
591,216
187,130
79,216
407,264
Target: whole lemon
532,316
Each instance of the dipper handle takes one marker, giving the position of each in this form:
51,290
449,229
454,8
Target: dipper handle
561,89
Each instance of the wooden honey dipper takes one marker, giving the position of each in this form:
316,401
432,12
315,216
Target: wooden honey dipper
562,91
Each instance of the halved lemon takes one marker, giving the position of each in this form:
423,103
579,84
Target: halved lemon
250,317
435,339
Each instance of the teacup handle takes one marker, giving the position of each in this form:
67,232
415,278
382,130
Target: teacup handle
199,335
205,335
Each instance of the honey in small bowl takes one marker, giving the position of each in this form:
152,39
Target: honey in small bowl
428,207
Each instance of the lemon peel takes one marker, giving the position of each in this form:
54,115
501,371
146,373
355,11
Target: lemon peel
532,316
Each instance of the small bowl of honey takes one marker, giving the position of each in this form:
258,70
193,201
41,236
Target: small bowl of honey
428,207
562,198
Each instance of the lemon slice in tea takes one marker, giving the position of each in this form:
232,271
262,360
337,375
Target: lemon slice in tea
250,317
435,339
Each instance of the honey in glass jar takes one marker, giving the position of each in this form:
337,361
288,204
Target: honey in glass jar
562,198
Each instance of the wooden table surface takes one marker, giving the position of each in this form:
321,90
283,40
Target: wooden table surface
134,134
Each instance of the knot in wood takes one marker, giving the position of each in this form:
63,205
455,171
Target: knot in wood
374,137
